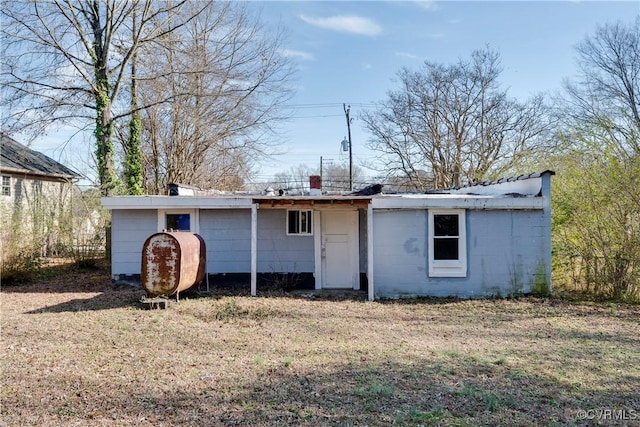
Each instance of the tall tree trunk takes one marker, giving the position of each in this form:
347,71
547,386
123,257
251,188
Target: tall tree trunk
103,133
133,155
104,125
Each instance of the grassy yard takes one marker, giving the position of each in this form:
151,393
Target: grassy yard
75,352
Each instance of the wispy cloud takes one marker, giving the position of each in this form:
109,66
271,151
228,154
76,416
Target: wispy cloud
407,55
345,24
366,66
428,4
305,56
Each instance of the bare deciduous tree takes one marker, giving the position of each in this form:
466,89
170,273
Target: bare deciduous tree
227,79
65,60
596,195
455,123
607,93
335,177
295,180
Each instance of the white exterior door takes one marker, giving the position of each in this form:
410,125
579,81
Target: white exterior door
339,250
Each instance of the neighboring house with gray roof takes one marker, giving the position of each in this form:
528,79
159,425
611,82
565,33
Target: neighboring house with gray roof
35,194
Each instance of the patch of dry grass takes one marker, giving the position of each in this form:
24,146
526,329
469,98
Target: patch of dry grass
75,352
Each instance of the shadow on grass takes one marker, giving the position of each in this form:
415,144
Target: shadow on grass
103,301
69,280
267,291
459,391
446,391
110,298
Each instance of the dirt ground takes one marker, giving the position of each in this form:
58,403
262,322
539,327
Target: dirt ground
75,352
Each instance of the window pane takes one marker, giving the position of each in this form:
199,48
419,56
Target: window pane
305,222
6,185
179,222
445,249
294,218
445,225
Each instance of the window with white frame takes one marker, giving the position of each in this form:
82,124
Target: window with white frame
299,222
177,220
447,243
6,185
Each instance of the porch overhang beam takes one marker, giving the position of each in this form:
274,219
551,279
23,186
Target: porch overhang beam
313,203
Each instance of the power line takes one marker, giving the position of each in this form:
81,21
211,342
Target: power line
315,117
319,106
330,105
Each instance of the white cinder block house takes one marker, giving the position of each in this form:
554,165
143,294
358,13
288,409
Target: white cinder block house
488,239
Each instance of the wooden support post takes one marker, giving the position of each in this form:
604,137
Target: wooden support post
370,261
254,250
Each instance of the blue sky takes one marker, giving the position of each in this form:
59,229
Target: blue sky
350,52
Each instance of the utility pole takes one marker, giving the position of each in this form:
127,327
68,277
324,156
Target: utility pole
347,110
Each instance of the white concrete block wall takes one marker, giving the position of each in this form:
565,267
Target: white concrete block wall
278,252
227,234
506,250
400,252
130,229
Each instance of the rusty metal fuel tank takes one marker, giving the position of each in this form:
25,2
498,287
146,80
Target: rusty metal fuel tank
172,261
